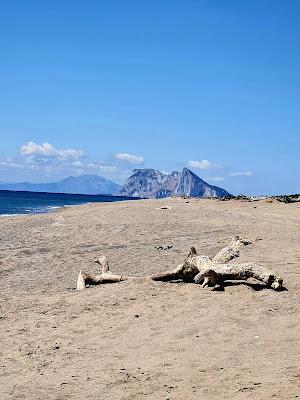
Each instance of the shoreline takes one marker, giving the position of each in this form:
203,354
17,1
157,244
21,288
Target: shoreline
286,199
14,203
51,209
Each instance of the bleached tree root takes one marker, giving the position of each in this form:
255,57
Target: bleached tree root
231,251
218,273
185,271
190,267
196,268
202,269
165,276
106,276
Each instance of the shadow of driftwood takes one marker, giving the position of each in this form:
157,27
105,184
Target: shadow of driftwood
254,286
257,287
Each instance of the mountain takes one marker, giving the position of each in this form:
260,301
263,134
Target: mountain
151,183
191,185
147,183
84,184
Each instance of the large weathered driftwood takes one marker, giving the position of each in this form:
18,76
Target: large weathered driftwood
218,273
190,267
202,269
196,268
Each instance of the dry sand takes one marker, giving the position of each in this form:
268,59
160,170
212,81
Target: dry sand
147,340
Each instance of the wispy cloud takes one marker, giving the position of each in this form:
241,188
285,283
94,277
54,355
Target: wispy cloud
10,163
130,158
241,173
204,164
102,167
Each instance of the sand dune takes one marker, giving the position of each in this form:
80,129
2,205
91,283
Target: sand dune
140,339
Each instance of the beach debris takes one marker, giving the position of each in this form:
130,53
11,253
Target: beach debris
169,246
214,271
218,273
242,197
232,250
200,269
106,276
287,199
164,208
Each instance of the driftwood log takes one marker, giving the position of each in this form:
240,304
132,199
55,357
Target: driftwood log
218,273
194,262
212,271
196,268
106,276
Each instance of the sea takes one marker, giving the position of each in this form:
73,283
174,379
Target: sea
16,203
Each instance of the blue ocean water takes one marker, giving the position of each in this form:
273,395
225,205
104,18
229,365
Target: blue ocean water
12,203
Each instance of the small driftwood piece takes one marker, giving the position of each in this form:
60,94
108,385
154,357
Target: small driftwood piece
106,276
202,269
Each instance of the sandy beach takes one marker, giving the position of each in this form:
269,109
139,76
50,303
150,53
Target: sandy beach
142,339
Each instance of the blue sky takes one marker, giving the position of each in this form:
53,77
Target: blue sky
114,85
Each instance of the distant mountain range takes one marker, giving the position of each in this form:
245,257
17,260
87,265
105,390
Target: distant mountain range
85,184
151,183
146,183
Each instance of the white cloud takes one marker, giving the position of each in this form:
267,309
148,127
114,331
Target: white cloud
10,163
102,167
77,164
131,158
44,162
204,164
44,153
241,173
215,179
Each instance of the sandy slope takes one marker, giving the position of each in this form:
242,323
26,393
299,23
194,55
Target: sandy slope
137,340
